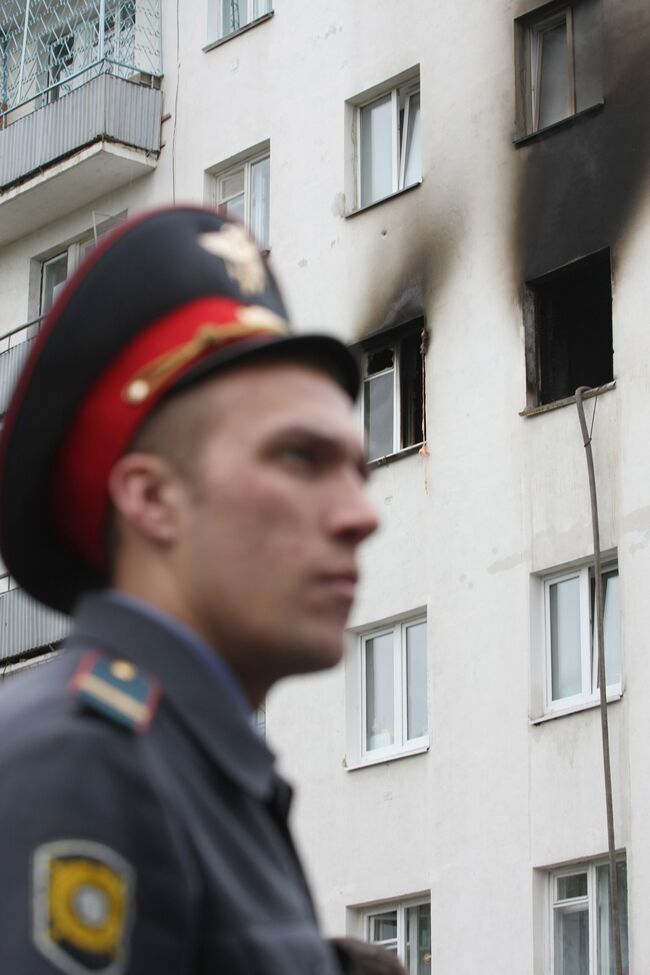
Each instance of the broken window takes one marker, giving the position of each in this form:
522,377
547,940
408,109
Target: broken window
572,322
393,402
560,47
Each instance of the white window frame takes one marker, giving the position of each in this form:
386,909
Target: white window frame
397,398
399,138
76,251
220,200
535,31
590,900
402,743
395,347
401,908
255,5
588,652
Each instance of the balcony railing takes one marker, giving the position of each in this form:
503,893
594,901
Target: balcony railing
27,626
14,349
49,48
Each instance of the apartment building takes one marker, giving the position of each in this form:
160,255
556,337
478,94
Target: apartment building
460,190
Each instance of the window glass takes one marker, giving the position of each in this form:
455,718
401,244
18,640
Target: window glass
260,178
572,941
383,927
412,149
232,184
606,957
376,150
53,274
552,73
378,409
380,694
574,885
611,628
587,53
566,663
416,680
418,940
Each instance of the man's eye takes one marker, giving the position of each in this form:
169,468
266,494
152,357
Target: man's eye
300,456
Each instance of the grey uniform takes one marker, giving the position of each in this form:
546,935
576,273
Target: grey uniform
161,852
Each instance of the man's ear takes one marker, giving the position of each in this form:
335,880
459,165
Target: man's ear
147,495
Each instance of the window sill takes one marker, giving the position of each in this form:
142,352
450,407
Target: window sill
383,199
576,708
416,448
567,401
236,33
540,134
384,758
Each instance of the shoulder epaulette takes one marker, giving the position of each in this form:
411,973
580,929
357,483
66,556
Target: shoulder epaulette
116,689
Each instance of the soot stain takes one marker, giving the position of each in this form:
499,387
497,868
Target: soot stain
403,277
583,182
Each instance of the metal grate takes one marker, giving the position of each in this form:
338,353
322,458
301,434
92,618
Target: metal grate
50,47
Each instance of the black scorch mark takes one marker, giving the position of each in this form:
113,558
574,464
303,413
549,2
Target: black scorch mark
582,183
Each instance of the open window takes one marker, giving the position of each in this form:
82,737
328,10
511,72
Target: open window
393,390
569,328
560,62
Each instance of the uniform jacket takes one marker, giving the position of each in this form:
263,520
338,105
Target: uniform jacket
159,852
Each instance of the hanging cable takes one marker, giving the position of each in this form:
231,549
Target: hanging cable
602,679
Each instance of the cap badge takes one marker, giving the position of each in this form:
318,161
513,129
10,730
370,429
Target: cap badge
240,255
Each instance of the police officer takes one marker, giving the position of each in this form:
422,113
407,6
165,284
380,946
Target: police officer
184,475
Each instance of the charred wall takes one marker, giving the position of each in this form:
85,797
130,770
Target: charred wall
582,182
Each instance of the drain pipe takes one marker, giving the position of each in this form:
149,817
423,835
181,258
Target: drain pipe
602,681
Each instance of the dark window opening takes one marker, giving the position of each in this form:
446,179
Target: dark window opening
393,390
572,311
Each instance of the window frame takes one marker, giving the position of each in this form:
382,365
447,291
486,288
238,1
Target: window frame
215,20
402,743
246,164
590,900
394,339
535,29
589,693
399,138
401,907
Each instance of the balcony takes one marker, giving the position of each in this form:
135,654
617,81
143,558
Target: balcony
25,626
80,104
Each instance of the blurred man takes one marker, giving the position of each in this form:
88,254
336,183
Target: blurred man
186,477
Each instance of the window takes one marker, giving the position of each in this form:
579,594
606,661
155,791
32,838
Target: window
228,16
394,688
393,391
404,930
388,140
243,191
55,270
570,315
581,936
571,636
561,51
60,60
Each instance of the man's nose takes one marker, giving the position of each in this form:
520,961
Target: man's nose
354,516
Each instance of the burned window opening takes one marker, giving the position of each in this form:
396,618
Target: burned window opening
571,312
393,390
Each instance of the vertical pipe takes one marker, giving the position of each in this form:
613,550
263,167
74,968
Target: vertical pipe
22,53
102,26
602,681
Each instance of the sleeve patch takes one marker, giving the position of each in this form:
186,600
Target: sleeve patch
83,897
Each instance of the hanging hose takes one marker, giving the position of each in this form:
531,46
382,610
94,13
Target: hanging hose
602,682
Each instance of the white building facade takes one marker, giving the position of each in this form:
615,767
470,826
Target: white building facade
461,190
